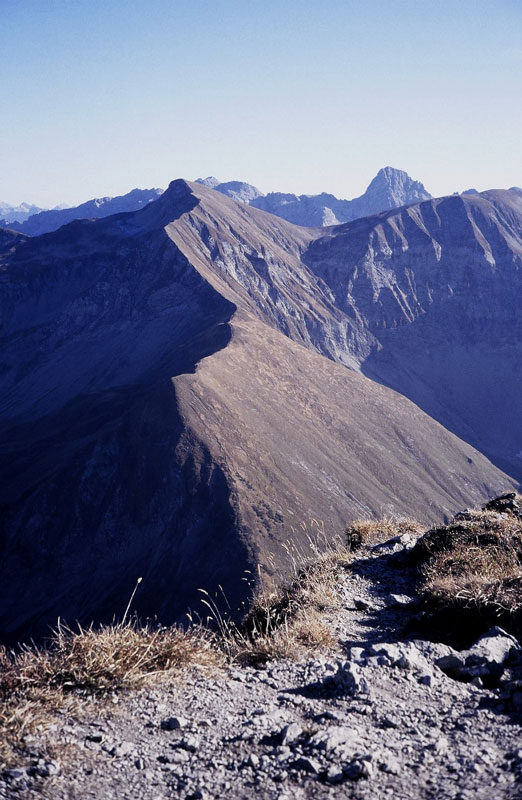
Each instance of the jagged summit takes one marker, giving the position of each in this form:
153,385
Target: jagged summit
20,213
393,188
211,182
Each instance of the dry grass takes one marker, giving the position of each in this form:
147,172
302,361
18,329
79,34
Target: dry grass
77,664
287,622
36,682
475,563
372,531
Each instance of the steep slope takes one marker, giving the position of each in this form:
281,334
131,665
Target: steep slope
47,221
157,419
438,286
390,188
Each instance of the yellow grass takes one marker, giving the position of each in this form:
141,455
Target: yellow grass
35,682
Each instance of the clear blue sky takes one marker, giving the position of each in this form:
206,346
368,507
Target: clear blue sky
99,96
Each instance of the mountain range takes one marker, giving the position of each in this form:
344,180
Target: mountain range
20,213
390,188
187,386
45,221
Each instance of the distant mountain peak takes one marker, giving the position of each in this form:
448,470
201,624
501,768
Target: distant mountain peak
395,188
237,190
211,182
391,188
19,213
51,220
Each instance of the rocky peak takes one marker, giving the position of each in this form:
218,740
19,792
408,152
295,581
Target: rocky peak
239,190
20,213
211,182
391,188
394,188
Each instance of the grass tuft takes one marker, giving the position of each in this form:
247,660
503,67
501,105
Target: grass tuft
36,682
375,531
288,622
474,565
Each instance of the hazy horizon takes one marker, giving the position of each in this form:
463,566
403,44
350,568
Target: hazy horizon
294,97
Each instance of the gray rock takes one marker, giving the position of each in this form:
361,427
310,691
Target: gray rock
15,774
485,659
390,764
307,765
404,541
493,648
404,655
189,743
334,775
45,769
123,749
349,680
393,652
253,761
173,723
359,655
291,733
451,662
358,769
400,600
338,737
440,746
433,650
361,604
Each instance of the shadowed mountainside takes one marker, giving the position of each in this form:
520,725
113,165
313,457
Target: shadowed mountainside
438,286
167,412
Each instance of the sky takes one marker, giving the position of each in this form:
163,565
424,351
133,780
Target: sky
100,96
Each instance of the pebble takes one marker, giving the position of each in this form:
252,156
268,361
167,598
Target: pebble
300,729
173,723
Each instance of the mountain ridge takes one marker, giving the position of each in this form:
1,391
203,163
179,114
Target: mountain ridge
46,221
389,188
171,397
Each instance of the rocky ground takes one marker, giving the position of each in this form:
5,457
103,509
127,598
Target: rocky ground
391,715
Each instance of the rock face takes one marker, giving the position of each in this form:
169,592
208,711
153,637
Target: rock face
38,221
237,190
438,286
167,410
390,188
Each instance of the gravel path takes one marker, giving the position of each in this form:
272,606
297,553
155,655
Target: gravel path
379,719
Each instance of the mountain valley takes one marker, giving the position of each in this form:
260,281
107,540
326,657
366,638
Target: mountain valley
188,385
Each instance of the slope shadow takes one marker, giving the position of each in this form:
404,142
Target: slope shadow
110,488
